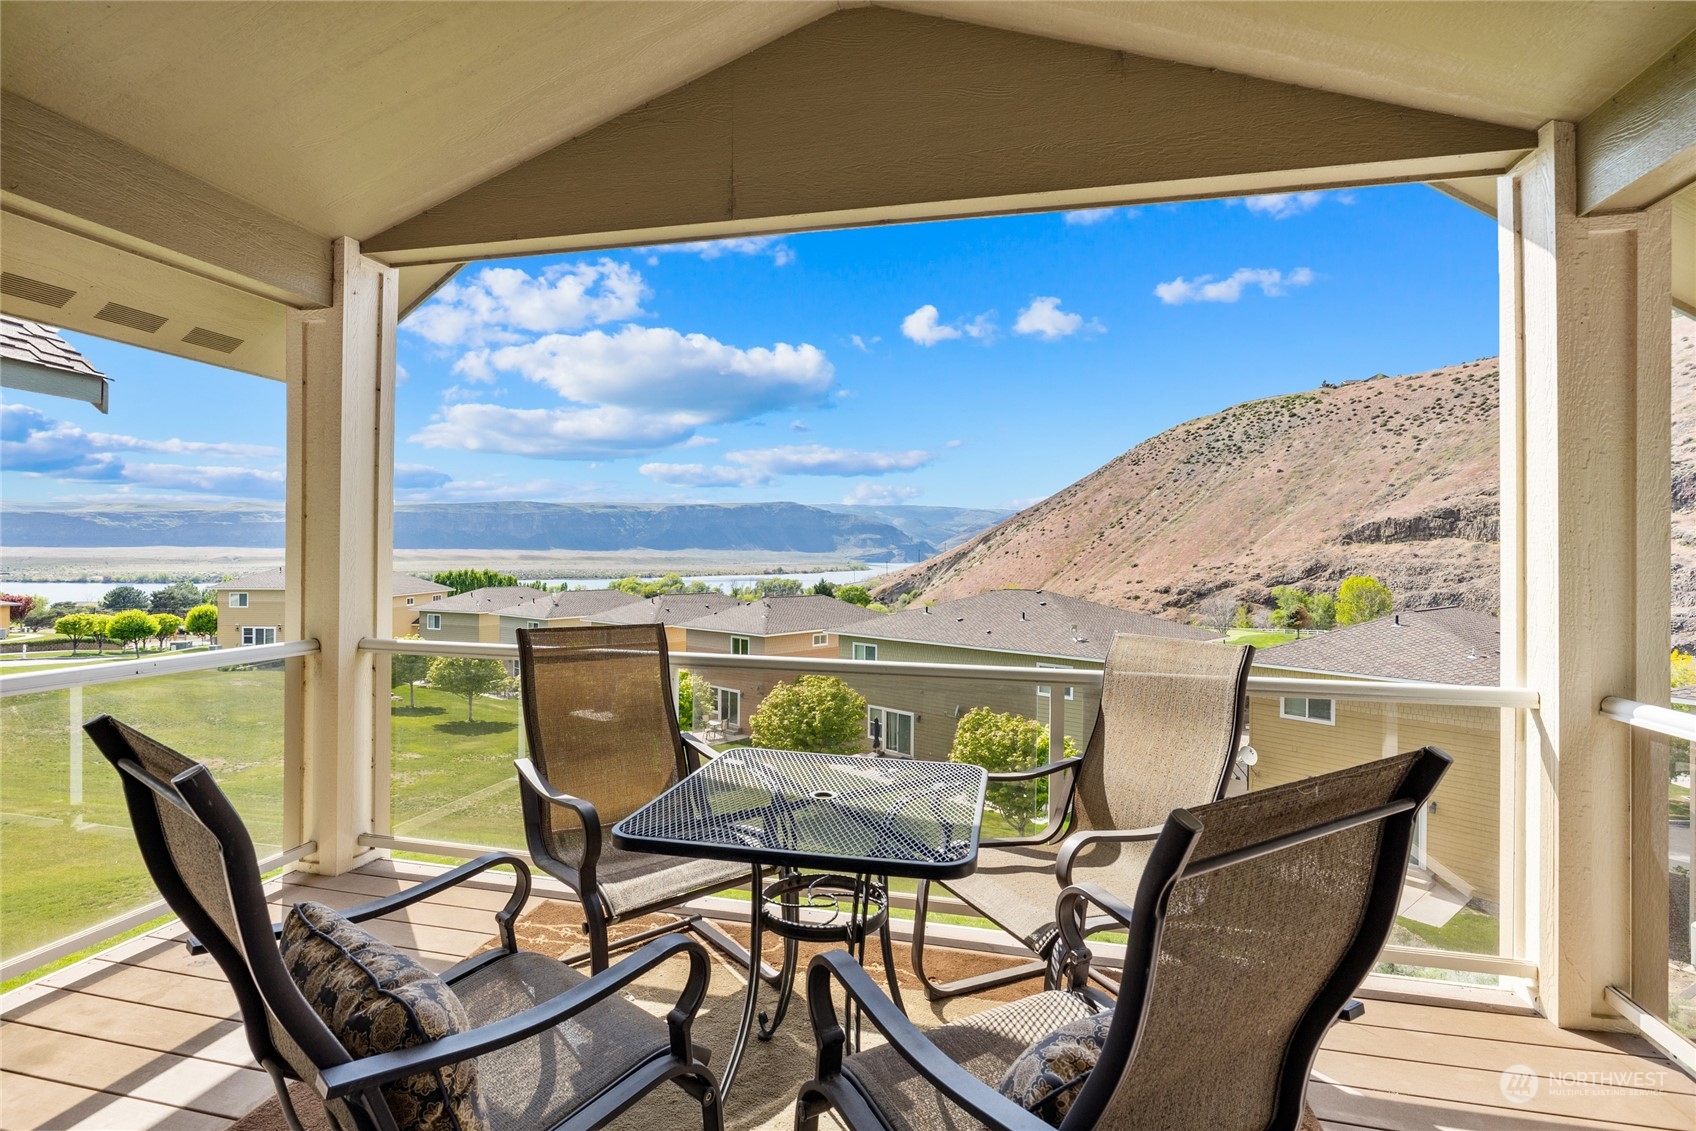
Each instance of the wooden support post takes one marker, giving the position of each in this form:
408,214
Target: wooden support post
1586,582
341,366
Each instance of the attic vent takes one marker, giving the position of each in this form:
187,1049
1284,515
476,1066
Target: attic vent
21,286
212,340
145,321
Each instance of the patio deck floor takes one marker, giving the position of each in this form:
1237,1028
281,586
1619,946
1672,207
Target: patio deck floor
145,1036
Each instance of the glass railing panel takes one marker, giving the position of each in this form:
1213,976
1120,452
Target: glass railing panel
1681,894
1453,895
450,763
68,858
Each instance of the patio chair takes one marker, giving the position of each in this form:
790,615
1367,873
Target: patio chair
1165,736
518,1038
1255,920
604,741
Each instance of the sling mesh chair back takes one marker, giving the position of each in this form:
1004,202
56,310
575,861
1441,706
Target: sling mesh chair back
505,1056
1165,737
1255,920
604,741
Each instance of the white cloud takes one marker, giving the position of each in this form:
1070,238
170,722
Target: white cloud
880,494
1205,288
758,467
955,443
1283,205
500,304
1044,318
781,253
603,432
864,345
922,327
418,476
1086,216
700,441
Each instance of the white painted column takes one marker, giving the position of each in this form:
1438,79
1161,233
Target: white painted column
341,366
1586,464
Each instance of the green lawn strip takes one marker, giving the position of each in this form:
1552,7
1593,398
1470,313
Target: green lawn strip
1470,932
1260,638
1678,802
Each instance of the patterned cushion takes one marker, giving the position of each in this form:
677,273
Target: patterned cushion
1047,1076
376,1000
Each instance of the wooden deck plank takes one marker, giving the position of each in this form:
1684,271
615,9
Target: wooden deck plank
1497,1027
1351,1107
28,1103
138,1024
1495,1055
162,988
205,1086
1482,1088
426,913
471,896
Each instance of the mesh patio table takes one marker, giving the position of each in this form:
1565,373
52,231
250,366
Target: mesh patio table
860,819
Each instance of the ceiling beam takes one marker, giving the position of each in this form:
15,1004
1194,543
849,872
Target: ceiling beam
875,116
1639,147
60,172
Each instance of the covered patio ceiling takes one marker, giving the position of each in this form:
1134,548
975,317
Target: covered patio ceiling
186,166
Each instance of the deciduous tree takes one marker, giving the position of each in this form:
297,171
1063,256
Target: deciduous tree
854,595
177,598
75,627
165,626
465,580
202,620
464,675
1361,598
410,670
1003,743
816,713
132,626
100,627
694,694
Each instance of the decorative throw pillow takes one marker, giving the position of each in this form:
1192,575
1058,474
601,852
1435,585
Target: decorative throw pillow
375,1000
1047,1076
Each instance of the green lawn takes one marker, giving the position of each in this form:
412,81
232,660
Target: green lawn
1260,638
1678,802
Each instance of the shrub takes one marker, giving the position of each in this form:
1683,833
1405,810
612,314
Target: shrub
817,713
1003,743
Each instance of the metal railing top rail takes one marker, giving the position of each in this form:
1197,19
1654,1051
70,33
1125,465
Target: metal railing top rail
1643,716
1394,691
116,671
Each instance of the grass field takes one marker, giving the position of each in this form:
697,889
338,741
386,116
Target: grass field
1259,637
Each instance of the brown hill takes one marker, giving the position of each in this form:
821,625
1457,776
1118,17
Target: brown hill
1394,476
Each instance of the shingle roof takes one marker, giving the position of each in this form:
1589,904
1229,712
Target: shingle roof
494,599
1447,645
1021,620
400,584
577,603
674,608
35,344
776,616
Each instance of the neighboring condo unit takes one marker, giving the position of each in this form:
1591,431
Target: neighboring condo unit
771,626
1297,737
556,610
250,609
474,617
671,610
1019,628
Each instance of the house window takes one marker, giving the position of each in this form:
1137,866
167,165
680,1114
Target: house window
1313,710
238,600
738,645
728,700
409,600
1043,690
251,634
433,621
896,728
532,624
865,651
820,639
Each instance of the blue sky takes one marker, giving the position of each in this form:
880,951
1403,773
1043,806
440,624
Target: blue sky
967,363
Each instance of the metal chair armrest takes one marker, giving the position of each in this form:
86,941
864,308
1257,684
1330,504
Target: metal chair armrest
503,918
980,1101
344,1079
1041,771
535,792
1080,842
697,750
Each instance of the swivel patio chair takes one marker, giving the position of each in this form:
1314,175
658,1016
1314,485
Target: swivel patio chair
1165,736
507,1039
604,741
1254,921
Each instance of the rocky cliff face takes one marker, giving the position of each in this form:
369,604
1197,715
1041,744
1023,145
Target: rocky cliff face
1396,477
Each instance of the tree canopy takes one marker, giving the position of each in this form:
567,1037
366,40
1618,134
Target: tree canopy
1297,609
465,580
854,595
165,626
26,605
1361,598
816,713
178,598
467,676
121,598
202,620
1003,743
694,694
410,670
75,627
132,626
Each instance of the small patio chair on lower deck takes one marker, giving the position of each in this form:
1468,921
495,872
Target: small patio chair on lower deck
1254,921
507,1040
604,741
1166,736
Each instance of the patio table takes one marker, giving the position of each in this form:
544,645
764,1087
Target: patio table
860,819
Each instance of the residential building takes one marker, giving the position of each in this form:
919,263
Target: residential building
671,610
6,614
250,608
555,610
1299,736
474,617
1018,628
770,626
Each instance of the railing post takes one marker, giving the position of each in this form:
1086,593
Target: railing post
340,505
1057,785
1586,530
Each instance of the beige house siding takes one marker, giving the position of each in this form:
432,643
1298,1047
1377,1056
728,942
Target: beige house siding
464,628
264,610
1461,826
754,686
406,614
